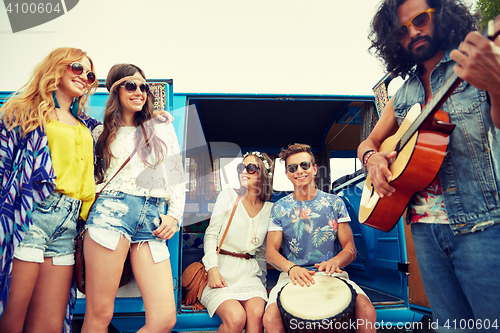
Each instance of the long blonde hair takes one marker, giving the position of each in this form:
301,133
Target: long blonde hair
30,106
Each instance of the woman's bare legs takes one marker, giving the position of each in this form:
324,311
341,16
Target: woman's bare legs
233,316
38,297
103,270
254,309
157,289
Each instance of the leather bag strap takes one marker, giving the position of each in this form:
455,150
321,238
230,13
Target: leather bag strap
123,165
228,224
121,168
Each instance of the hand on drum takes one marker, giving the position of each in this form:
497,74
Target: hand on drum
215,279
301,275
329,267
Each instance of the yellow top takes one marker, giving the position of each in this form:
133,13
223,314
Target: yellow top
72,151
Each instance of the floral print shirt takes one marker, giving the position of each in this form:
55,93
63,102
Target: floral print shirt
309,227
427,206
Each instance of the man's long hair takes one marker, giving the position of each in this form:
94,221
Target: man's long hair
452,22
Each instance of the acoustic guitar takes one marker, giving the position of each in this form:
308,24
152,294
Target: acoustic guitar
421,143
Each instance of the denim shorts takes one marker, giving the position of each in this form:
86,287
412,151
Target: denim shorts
117,214
53,231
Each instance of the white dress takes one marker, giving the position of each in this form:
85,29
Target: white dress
242,276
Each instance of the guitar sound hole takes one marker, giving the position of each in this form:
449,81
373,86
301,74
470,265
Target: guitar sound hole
398,146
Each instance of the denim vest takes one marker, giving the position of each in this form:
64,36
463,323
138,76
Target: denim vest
470,174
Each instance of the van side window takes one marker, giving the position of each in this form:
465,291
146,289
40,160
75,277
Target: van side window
343,166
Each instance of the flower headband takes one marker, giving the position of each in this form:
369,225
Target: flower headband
264,161
120,81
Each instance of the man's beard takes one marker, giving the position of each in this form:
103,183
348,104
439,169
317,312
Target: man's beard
424,52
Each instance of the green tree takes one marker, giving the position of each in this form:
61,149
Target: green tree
488,9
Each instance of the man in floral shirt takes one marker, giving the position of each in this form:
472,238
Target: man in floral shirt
314,226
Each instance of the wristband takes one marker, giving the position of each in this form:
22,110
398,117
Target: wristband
370,154
294,265
364,155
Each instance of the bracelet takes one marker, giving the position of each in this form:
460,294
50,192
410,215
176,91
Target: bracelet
370,154
364,155
294,265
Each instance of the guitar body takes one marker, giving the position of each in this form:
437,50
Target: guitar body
413,169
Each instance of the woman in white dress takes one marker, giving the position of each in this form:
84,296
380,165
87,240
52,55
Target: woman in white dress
235,291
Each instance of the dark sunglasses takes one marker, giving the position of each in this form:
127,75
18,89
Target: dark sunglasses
419,21
251,168
131,87
77,69
292,168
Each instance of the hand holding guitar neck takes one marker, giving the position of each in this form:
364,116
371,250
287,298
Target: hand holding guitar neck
478,59
478,62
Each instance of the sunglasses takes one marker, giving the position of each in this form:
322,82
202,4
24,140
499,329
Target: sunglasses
77,69
419,21
292,168
131,87
251,168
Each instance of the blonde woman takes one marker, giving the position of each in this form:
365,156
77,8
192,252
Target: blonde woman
47,176
234,290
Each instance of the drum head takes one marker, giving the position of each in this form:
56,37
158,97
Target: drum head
326,298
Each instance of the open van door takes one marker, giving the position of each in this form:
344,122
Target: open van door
416,294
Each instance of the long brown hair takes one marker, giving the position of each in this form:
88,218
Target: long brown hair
30,106
143,120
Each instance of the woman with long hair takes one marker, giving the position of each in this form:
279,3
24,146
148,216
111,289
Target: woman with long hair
47,184
128,214
235,291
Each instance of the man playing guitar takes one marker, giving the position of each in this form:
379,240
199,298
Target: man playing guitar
456,219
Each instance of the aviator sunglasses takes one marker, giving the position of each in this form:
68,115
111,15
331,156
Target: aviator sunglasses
77,69
131,87
419,21
292,168
251,168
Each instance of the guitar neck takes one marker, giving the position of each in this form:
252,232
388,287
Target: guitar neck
431,108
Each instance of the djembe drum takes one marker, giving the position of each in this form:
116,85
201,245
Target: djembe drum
325,306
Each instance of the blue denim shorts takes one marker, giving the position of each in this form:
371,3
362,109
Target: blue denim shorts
53,231
136,217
